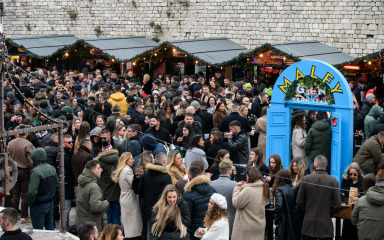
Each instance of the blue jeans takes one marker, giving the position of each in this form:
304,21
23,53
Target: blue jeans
310,163
42,216
68,206
113,213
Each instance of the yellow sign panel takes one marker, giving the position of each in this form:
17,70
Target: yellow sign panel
14,57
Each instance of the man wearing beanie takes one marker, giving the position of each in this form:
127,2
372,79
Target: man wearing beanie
42,190
12,99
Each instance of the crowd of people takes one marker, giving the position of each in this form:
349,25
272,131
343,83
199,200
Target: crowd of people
170,158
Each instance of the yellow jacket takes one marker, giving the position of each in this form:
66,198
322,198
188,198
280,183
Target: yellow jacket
119,99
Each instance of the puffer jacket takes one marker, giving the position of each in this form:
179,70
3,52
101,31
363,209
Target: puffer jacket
119,99
358,120
368,214
318,140
197,195
43,183
39,98
369,155
108,162
370,119
90,202
150,143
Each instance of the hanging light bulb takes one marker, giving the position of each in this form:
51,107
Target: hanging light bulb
155,54
134,63
174,49
369,62
66,54
261,55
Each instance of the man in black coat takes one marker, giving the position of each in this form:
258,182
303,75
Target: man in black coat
88,112
260,102
319,202
161,134
234,115
25,90
107,110
81,157
8,222
152,184
52,149
206,117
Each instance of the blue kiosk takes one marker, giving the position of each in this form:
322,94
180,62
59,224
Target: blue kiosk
293,90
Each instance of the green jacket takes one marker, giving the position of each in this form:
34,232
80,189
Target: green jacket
39,98
368,214
369,155
318,140
108,162
370,119
43,183
90,202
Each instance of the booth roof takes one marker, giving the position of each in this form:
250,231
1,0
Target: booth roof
122,48
210,50
313,50
44,46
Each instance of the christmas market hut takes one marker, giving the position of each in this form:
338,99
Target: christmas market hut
186,57
268,60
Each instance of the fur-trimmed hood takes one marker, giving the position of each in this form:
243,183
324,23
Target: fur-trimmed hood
201,180
157,168
106,153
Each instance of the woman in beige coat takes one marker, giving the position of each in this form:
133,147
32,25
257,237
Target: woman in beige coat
249,199
261,128
130,210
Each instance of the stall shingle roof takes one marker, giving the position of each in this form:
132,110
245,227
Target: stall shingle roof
123,48
313,50
43,46
211,50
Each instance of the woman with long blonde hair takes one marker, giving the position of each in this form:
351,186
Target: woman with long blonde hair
84,132
130,209
215,220
169,222
177,169
297,170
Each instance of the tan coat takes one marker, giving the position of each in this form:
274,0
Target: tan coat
176,174
19,149
261,128
250,211
130,210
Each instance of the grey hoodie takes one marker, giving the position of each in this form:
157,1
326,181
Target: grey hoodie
368,214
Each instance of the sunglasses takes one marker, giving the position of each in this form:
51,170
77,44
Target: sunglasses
69,142
352,174
103,138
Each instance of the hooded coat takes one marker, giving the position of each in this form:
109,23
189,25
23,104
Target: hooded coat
151,186
197,194
368,214
239,148
250,211
370,155
90,202
318,140
370,119
108,162
150,143
39,98
43,183
119,99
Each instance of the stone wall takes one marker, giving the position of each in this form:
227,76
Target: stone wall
353,26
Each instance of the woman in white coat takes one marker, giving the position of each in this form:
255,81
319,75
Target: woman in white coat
216,220
130,210
298,136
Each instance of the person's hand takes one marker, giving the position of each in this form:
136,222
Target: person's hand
201,231
268,178
208,174
180,139
240,183
183,168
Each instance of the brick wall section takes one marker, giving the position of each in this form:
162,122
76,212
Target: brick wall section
353,26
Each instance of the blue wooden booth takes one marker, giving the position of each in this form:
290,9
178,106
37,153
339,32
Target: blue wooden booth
289,93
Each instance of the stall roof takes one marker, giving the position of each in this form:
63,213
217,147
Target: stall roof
313,50
123,48
211,50
45,46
